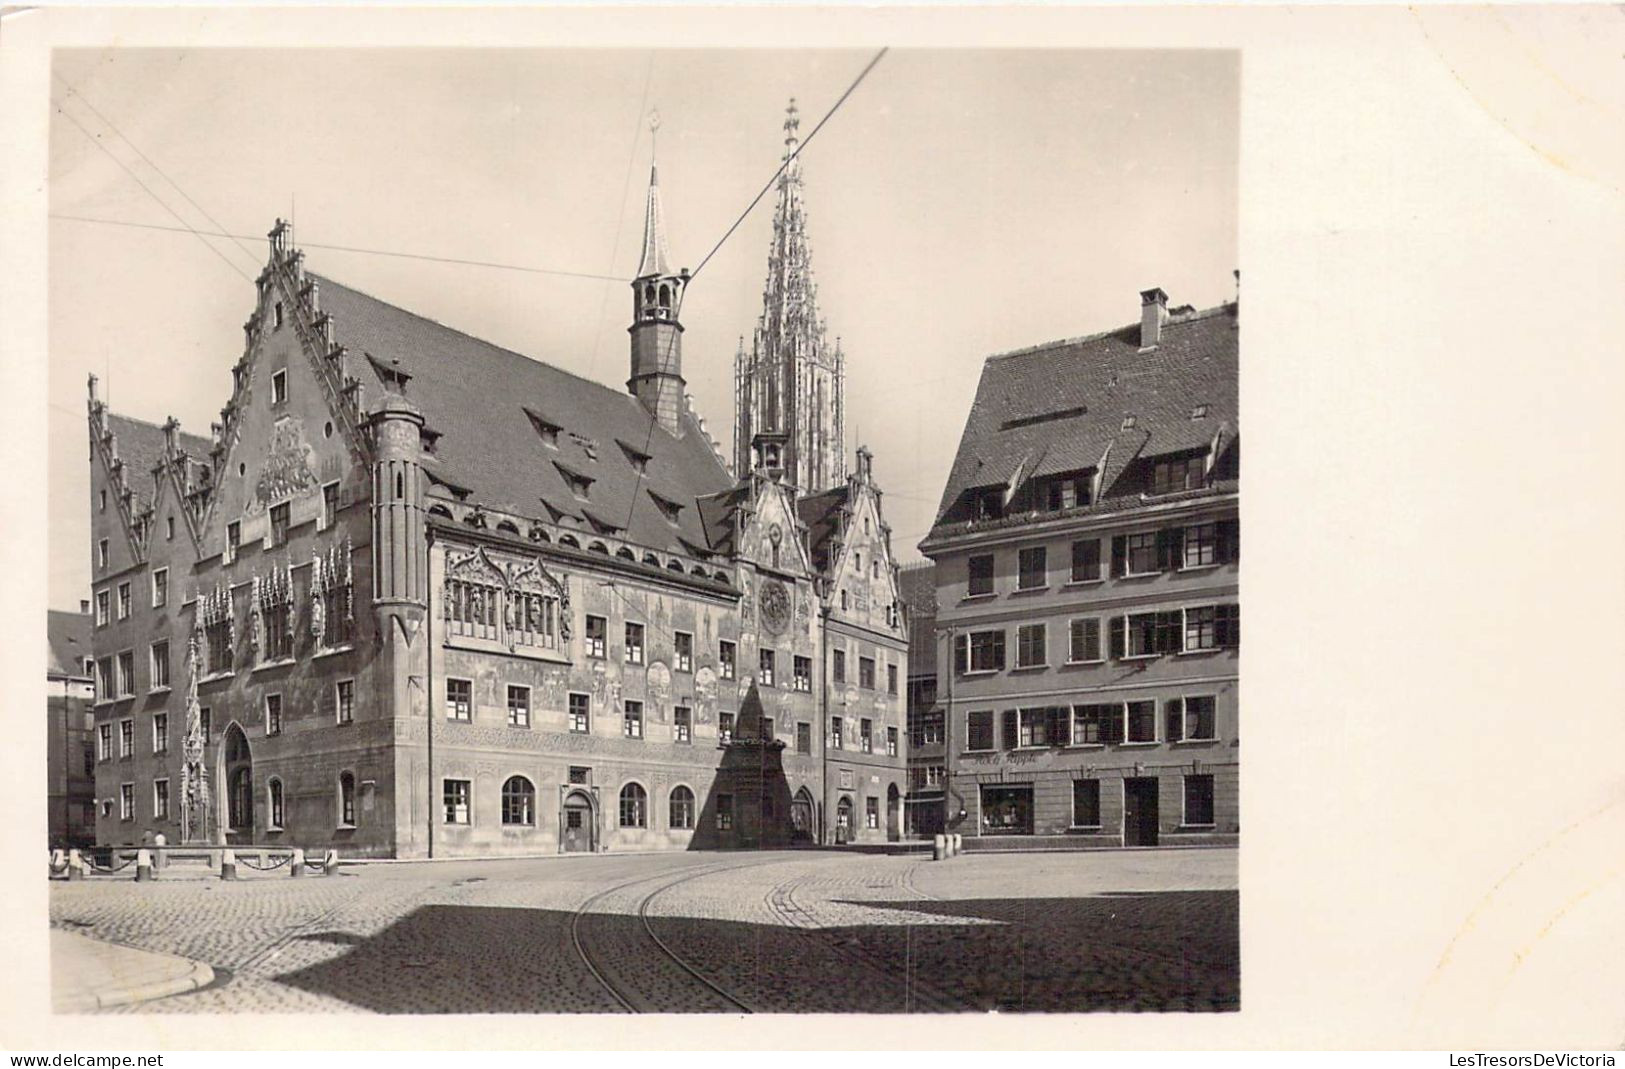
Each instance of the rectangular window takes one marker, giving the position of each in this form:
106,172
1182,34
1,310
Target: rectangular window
102,604
632,720
1032,646
1097,724
891,679
1181,473
866,673
597,635
1211,627
90,760
1191,719
979,730
1086,560
866,735
344,701
126,673
682,651
1153,633
682,724
457,794
979,574
836,738
1141,550
1086,803
1034,728
101,548
891,742
1142,721
279,525
767,727
160,733
580,775
725,812
1199,800
871,812
728,658
330,505
104,742
160,799
580,714
803,737
518,706
105,690
273,714
124,601
234,539
1083,641
126,738
1034,571
126,801
1201,545
837,665
160,665
279,380
803,673
765,661
725,728
634,643
160,588
459,700
981,651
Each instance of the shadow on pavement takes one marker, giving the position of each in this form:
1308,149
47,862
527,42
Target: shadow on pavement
1159,951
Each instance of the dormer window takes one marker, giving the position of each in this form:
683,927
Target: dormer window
671,510
1171,475
545,428
279,388
1067,491
988,503
635,457
1128,422
1199,412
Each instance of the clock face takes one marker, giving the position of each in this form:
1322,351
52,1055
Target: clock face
775,602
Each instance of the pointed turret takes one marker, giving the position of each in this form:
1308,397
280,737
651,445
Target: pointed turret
789,386
657,336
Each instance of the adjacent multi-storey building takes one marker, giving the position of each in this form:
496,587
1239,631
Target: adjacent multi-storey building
924,805
70,757
1087,550
421,595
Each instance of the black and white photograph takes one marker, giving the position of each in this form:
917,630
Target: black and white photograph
734,515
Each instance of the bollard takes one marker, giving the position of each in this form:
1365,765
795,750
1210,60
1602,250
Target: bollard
959,844
143,865
939,848
296,867
59,860
330,862
159,857
228,864
76,865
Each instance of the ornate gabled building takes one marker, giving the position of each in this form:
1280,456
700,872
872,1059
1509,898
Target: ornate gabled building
789,389
419,595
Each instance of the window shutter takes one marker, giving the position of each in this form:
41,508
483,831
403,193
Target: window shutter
1174,712
1012,729
1116,629
1058,716
1170,548
1111,726
998,650
1170,632
961,654
1119,555
1229,541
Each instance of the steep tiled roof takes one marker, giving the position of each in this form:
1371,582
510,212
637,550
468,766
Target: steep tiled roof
485,402
1057,408
140,445
68,637
821,513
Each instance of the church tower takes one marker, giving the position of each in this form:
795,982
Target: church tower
657,336
789,389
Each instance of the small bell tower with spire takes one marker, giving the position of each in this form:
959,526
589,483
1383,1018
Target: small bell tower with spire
657,298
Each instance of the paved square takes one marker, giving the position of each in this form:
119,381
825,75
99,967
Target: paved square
781,932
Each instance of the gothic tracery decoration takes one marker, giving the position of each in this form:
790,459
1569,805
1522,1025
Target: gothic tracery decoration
518,604
332,595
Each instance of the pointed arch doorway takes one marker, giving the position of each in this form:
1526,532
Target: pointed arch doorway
236,777
802,813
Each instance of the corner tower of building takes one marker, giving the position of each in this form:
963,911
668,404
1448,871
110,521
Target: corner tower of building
792,381
657,335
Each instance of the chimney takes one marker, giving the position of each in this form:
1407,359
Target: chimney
1153,314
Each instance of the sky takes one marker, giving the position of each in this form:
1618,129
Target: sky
960,204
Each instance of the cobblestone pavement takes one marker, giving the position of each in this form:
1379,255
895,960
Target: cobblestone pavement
794,931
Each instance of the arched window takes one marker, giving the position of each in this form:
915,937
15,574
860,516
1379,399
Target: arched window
634,806
273,797
682,807
508,527
518,801
649,293
346,800
665,296
569,540
440,510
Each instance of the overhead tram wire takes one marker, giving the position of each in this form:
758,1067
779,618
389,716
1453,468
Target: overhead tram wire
148,160
682,294
148,190
351,248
